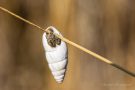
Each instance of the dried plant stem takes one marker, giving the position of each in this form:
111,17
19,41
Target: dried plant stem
71,43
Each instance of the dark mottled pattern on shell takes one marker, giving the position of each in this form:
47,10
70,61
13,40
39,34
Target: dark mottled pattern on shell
52,39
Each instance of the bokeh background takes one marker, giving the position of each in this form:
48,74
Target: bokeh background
106,27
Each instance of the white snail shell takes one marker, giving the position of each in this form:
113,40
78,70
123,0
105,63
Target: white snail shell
56,57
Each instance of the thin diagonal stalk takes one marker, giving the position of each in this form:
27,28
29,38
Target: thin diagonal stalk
99,57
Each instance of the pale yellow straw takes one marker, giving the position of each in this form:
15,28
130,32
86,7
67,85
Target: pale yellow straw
99,57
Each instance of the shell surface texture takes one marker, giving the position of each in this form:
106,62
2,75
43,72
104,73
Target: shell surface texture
56,53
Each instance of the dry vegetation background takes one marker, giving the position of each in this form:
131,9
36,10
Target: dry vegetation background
106,27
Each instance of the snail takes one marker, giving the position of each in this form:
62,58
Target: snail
56,53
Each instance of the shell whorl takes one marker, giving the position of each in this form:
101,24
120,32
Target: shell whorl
56,56
58,70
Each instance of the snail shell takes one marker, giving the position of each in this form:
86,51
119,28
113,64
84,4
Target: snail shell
56,55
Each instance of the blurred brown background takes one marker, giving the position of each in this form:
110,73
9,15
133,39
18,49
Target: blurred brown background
106,27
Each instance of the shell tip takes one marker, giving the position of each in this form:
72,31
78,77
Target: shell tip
59,81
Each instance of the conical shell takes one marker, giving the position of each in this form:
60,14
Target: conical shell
56,57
